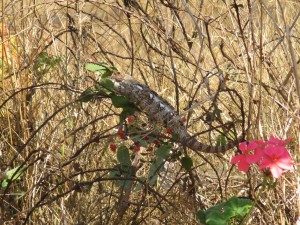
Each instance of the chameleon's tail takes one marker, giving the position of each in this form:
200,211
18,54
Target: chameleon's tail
191,142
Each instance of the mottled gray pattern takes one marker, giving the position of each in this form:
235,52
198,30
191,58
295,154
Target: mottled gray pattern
158,109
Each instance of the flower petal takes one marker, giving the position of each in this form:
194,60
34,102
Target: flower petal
276,171
266,163
236,159
276,141
285,164
243,146
243,166
253,158
252,145
274,151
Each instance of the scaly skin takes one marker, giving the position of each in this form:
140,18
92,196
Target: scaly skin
158,109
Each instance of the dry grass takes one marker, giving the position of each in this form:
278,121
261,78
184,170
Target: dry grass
181,49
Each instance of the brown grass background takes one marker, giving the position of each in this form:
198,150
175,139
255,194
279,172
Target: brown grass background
180,49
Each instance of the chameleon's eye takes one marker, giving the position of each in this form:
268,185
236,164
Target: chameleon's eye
161,105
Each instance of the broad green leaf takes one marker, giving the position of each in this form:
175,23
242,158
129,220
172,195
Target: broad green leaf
109,70
128,110
239,206
123,156
105,69
95,67
87,95
152,179
119,101
155,168
187,163
100,90
212,217
217,220
126,173
201,215
12,175
106,74
223,213
163,151
139,138
107,84
122,171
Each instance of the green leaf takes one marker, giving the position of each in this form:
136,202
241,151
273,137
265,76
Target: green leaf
163,151
213,216
105,69
107,84
221,140
123,156
87,95
240,207
223,213
12,175
187,163
102,91
122,171
155,168
96,67
217,221
139,138
157,165
201,215
128,110
119,101
106,74
105,87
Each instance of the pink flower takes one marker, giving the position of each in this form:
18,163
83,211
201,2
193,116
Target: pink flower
270,154
250,154
277,159
241,160
277,142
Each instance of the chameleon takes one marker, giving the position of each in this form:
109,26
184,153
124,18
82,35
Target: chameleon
161,111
